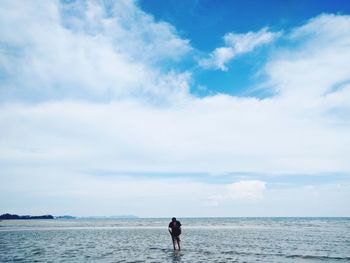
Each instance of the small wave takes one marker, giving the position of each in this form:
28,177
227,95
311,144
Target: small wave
318,257
37,251
323,258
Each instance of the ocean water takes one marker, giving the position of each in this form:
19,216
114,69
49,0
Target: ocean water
203,240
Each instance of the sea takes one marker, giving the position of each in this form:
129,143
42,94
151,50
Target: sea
203,240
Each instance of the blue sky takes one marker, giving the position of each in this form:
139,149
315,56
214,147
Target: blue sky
206,22
227,108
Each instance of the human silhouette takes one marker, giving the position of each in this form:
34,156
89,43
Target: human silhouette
175,232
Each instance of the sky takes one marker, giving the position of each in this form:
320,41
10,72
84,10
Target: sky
191,108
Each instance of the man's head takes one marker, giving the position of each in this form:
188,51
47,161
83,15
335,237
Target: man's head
173,219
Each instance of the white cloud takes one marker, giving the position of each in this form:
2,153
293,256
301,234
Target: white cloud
73,64
318,64
242,191
218,58
85,194
40,190
302,133
216,134
236,44
87,50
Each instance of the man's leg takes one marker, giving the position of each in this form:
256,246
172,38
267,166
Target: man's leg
178,242
174,243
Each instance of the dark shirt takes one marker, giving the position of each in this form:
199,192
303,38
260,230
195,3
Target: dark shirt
175,228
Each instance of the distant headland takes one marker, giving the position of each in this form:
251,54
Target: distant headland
8,216
26,217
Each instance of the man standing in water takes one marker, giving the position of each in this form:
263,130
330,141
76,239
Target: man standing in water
175,232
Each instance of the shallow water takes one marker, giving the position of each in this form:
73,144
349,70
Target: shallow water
203,240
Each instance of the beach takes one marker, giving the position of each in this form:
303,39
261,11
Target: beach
203,240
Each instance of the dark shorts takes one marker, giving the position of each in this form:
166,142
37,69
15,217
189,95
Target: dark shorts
175,238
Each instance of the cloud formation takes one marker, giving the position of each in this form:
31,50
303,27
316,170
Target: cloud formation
246,191
318,65
300,130
237,44
87,50
86,87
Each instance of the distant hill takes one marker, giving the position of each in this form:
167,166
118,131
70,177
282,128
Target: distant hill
14,216
10,217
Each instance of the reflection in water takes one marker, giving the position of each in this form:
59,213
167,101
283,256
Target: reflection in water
176,256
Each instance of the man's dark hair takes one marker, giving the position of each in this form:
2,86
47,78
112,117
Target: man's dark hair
173,219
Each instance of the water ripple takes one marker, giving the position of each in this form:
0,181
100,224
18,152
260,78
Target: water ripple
147,240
